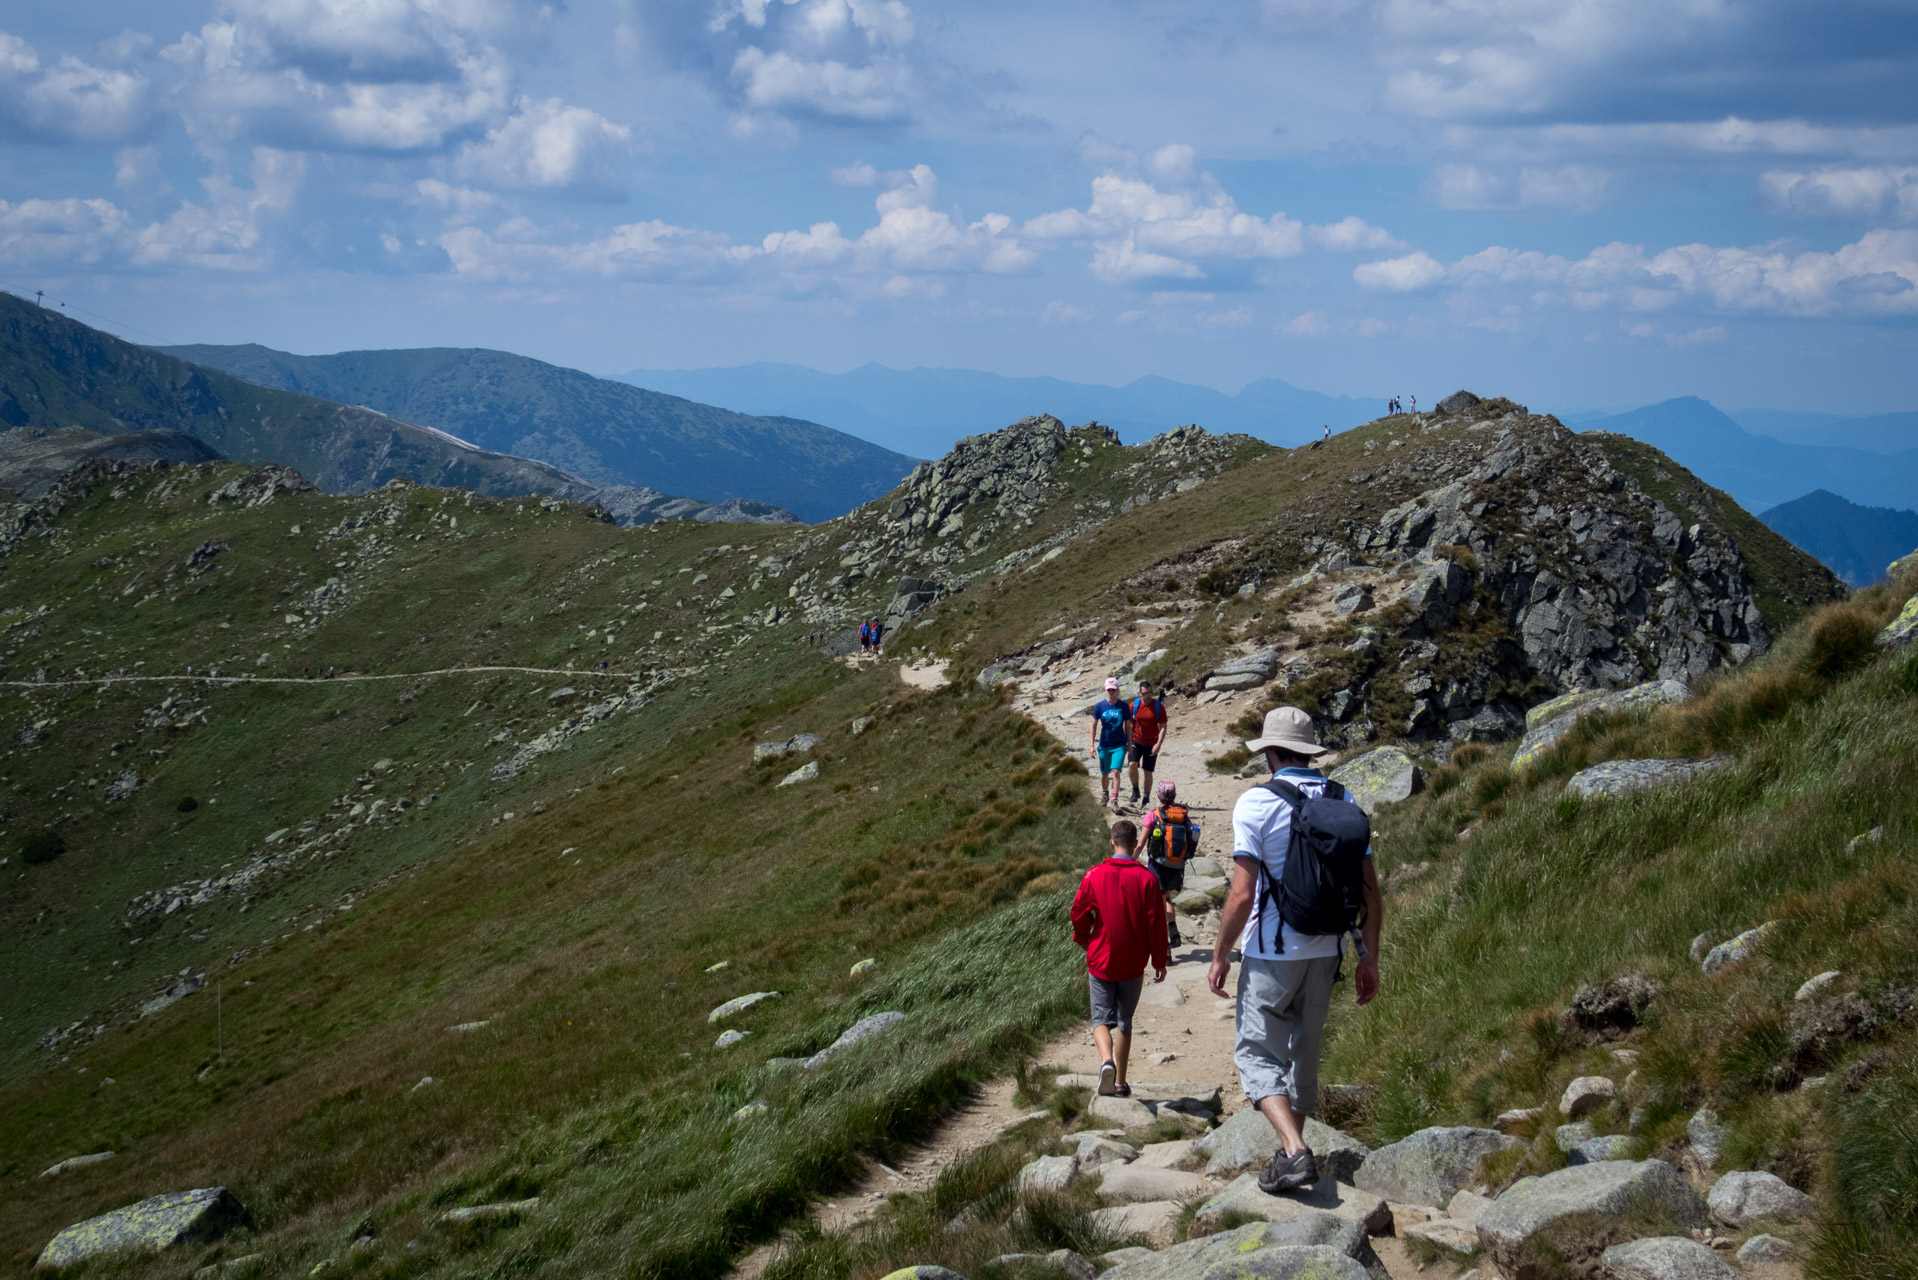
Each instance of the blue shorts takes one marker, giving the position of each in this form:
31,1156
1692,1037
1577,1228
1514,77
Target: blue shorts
1111,759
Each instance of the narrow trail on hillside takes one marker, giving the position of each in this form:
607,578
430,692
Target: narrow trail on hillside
105,681
1181,1031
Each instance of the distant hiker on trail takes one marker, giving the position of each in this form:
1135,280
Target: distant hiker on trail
1148,735
865,637
1328,433
1170,837
1111,737
878,634
1118,917
1415,404
1302,878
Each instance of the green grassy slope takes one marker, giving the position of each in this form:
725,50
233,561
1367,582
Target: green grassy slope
609,432
573,907
57,372
1491,927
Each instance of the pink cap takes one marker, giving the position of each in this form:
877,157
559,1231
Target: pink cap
1112,682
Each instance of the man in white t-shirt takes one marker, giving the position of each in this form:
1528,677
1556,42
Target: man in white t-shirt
1285,984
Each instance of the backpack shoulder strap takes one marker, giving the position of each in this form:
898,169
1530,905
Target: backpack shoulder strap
1284,791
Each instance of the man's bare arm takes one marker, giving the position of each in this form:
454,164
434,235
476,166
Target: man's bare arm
1365,984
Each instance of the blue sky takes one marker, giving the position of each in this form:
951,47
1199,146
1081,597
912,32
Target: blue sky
1591,204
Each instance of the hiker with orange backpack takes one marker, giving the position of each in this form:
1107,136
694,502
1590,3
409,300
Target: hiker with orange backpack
1169,837
1148,735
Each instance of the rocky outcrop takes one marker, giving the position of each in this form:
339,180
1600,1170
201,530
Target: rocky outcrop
1381,776
1902,630
160,1222
1430,1166
1618,777
1316,1245
1738,1199
1569,1217
1546,723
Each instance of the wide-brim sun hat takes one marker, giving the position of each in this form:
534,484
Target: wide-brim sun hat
1288,729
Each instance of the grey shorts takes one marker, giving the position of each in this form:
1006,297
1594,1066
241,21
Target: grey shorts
1282,1008
1113,1002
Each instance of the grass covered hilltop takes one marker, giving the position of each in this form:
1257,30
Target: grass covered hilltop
448,928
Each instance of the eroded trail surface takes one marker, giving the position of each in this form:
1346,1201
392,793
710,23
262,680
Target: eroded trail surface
1183,1034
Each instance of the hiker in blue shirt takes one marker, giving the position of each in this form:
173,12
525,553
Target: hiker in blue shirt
1111,735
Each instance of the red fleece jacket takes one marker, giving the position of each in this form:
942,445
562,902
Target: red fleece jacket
1119,918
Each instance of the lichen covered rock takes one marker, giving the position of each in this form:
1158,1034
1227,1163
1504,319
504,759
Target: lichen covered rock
159,1222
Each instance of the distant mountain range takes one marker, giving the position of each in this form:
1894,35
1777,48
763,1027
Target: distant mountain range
923,411
1854,542
56,372
1759,471
606,431
1876,432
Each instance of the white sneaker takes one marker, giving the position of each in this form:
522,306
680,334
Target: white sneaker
1108,1079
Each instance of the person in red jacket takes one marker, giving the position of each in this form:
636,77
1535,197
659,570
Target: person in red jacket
1119,918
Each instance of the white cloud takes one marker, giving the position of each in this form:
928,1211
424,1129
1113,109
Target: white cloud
1875,275
912,242
1571,188
1350,235
848,61
1307,324
461,204
1058,312
1236,318
1869,192
1400,275
228,232
136,171
70,101
546,143
853,175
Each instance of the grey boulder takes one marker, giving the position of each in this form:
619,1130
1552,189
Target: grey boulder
1430,1166
864,1029
1612,1146
160,1222
1382,776
1567,1218
1247,1140
1265,1251
1730,955
1134,1184
1617,777
1243,1198
1665,1258
1767,1248
1707,1134
1049,1173
1741,1198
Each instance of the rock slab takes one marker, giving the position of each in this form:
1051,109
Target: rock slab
159,1222
1741,1198
1383,776
1325,1197
864,1029
1567,1218
1430,1166
1729,955
739,1004
1247,1140
1137,1184
1619,777
1665,1258
1265,1249
1049,1173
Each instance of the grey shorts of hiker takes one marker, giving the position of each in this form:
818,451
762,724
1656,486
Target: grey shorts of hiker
1282,1008
1113,1002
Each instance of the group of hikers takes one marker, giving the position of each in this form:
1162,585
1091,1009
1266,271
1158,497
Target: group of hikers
1302,884
871,632
1396,405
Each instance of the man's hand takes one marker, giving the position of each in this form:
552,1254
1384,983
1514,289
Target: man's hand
1219,971
1366,984
1158,975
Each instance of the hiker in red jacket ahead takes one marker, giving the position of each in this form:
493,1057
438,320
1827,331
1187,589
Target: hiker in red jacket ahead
1119,918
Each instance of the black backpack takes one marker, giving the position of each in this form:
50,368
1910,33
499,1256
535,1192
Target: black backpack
1322,886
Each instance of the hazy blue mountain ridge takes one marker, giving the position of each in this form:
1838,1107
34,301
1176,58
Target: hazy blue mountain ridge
924,411
1759,471
609,432
1854,542
1876,432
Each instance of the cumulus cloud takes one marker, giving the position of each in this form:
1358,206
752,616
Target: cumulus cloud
1569,188
1412,272
227,232
1636,60
546,143
71,101
1869,192
914,243
1158,218
1875,275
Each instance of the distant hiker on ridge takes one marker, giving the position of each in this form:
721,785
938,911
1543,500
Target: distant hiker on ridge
865,637
1170,837
1119,920
878,634
1148,735
1111,738
1302,878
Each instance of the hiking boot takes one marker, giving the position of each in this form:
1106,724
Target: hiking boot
1172,931
1288,1173
1108,1074
1135,795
